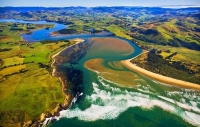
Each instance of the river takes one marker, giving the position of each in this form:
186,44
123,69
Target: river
115,96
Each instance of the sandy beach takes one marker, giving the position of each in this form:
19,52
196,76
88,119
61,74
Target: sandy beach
159,77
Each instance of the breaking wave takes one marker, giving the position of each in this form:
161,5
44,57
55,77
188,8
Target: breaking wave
107,102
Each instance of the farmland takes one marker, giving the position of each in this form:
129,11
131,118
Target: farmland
27,88
24,88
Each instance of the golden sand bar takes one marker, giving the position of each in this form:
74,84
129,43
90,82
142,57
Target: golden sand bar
158,77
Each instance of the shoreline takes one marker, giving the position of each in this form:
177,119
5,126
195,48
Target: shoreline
158,77
46,119
65,104
56,34
53,57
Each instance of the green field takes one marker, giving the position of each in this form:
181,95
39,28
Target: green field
173,32
118,31
25,92
25,87
12,35
184,65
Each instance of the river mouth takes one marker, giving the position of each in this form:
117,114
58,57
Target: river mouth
118,76
116,96
106,54
120,97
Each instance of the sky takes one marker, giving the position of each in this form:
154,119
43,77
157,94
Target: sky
92,3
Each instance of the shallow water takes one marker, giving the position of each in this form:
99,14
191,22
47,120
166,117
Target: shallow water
107,101
115,96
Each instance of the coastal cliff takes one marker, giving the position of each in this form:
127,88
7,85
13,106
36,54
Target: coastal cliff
69,55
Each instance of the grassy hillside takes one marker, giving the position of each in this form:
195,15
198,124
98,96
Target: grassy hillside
179,63
173,33
177,33
26,88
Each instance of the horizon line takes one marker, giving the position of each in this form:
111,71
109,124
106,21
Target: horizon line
159,6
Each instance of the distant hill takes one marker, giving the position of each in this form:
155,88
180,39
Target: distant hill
163,26
174,32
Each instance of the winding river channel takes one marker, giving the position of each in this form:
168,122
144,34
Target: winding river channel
112,95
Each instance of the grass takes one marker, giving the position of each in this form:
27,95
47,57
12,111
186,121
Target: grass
36,83
11,70
13,35
118,31
13,60
35,92
190,58
184,54
175,32
157,64
171,30
32,92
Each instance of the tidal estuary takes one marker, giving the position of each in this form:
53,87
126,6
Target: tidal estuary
109,95
116,96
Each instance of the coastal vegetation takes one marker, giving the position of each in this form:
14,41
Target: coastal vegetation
170,33
168,27
169,66
27,88
10,32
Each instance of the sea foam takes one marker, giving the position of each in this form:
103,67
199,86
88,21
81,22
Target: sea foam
109,102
